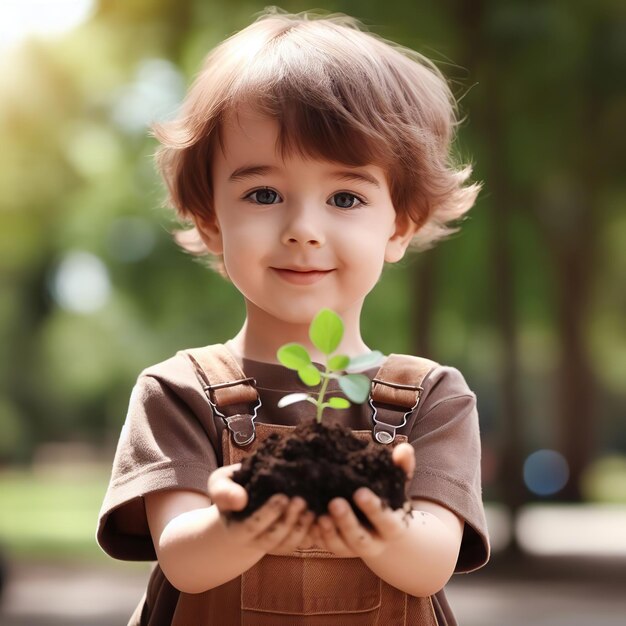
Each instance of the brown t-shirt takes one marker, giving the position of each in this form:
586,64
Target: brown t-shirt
171,440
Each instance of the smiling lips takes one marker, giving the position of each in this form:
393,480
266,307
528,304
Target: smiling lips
301,276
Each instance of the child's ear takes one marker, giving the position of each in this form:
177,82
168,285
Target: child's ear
209,230
399,241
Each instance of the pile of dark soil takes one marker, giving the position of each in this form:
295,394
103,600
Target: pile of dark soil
319,463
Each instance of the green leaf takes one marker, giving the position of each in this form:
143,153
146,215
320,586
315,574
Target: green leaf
326,331
294,356
338,403
338,362
356,387
365,361
292,398
310,375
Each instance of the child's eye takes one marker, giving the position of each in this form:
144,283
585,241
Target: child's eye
263,196
345,200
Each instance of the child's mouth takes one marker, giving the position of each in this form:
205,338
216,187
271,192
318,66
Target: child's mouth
301,277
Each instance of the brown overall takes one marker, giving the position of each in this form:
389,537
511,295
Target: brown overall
310,587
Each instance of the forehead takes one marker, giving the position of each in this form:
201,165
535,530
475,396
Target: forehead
250,146
248,132
251,141
292,125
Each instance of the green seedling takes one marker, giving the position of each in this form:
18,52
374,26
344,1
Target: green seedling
325,332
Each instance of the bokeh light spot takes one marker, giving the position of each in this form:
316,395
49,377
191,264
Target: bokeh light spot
545,472
92,149
81,283
154,95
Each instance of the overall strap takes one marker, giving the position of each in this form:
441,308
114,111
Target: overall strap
398,386
225,384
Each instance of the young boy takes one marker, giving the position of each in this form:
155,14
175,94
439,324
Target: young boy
307,154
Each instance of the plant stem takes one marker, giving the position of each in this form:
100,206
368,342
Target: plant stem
320,398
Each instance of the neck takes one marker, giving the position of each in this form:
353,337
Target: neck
261,335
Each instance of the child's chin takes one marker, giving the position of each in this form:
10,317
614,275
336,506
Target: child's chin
298,315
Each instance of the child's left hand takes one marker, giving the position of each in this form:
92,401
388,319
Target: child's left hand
342,533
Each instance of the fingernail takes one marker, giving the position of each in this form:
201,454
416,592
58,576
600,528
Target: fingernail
338,506
278,500
363,496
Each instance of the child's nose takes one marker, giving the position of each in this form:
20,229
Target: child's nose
304,226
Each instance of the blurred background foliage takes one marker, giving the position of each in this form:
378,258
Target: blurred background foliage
528,299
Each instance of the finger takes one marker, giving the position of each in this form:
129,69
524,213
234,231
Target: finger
385,522
308,540
226,494
297,538
225,471
295,509
404,456
331,538
300,532
354,535
257,524
280,529
316,536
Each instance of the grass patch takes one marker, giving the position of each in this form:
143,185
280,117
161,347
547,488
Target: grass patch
52,513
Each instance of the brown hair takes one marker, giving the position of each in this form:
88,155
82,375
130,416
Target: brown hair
338,93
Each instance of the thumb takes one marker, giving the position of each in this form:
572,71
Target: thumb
404,456
226,494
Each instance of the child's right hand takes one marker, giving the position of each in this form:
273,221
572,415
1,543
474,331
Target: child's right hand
226,494
279,526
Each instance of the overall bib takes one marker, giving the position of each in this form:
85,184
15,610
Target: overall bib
309,587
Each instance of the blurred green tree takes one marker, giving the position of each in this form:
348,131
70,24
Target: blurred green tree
527,299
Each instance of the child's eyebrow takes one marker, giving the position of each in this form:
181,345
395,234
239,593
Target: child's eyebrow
250,171
359,176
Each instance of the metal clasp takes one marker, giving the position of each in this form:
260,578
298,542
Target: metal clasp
241,436
383,432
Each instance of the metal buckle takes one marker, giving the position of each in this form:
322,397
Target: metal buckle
242,437
259,404
208,388
384,436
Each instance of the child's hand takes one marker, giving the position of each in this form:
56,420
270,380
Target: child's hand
225,493
342,533
300,536
278,527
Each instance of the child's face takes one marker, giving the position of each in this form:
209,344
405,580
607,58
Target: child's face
321,218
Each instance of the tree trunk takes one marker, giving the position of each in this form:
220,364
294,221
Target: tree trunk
487,116
570,223
575,380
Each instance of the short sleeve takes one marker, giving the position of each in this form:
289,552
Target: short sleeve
446,440
163,445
